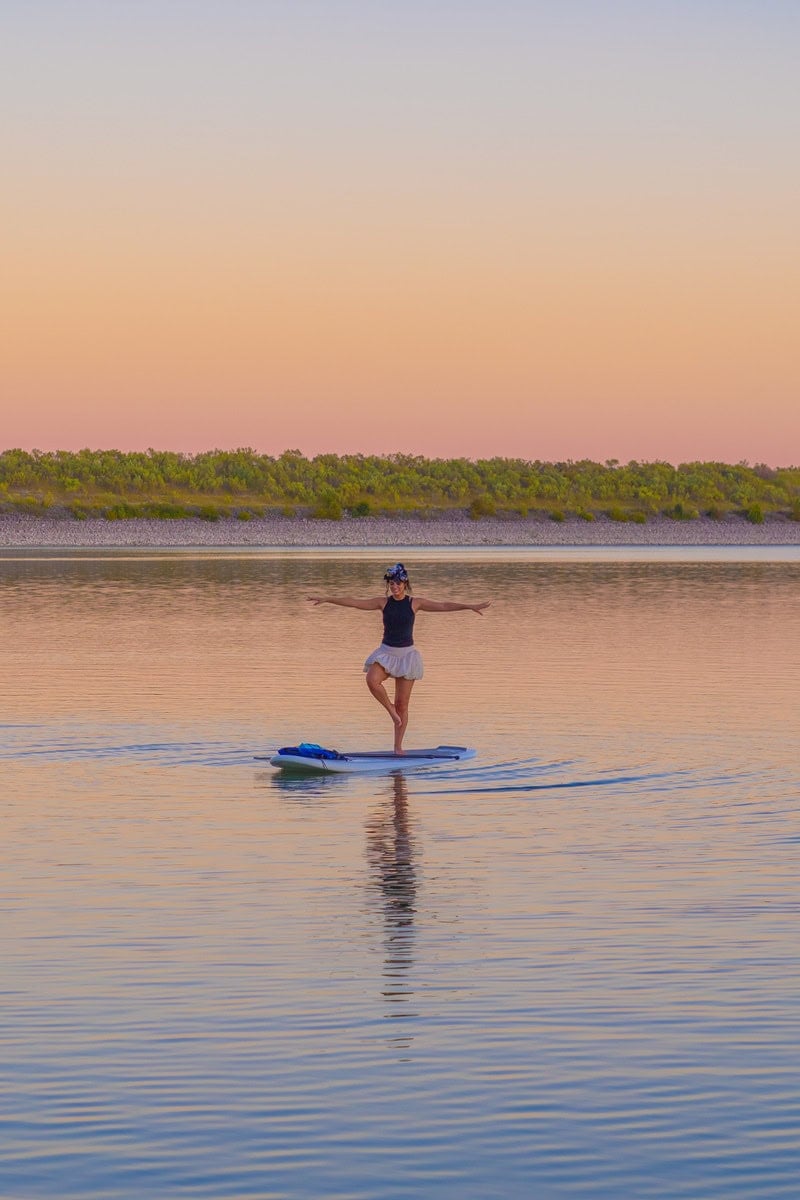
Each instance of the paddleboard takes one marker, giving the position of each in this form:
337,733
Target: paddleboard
315,758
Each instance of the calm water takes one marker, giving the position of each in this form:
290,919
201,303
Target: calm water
568,968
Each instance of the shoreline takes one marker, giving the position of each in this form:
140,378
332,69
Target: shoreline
20,531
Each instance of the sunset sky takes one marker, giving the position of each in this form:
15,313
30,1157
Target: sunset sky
543,229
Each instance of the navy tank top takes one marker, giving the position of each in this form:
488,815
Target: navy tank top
398,622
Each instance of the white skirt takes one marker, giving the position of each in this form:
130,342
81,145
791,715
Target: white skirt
402,662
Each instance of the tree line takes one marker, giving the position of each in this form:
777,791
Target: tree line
331,484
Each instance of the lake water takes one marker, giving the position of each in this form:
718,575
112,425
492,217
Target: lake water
570,967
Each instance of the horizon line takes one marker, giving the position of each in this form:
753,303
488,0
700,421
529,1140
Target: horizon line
608,463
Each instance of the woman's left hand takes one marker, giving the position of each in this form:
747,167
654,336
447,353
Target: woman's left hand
478,608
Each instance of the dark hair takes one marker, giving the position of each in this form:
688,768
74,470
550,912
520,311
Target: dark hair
397,574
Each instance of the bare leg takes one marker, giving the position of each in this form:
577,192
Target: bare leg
402,695
375,677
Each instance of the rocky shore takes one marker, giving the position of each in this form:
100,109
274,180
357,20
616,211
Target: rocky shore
22,531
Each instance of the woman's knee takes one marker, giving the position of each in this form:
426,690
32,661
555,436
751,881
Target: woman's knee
375,676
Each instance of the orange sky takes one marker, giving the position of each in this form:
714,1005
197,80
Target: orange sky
378,230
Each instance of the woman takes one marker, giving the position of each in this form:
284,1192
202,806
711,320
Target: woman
397,658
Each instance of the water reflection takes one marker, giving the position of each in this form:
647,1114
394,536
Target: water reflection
301,788
391,857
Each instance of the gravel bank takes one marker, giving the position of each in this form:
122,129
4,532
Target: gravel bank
22,531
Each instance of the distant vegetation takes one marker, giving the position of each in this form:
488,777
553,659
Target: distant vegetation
243,484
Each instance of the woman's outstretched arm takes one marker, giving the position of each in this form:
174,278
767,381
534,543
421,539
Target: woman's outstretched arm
423,605
350,601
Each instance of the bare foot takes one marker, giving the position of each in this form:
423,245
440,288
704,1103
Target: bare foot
395,715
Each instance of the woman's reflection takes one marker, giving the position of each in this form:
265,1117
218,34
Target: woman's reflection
390,851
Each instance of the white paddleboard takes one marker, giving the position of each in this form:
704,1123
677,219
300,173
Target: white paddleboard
367,761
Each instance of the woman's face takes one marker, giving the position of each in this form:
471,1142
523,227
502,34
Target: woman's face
397,589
